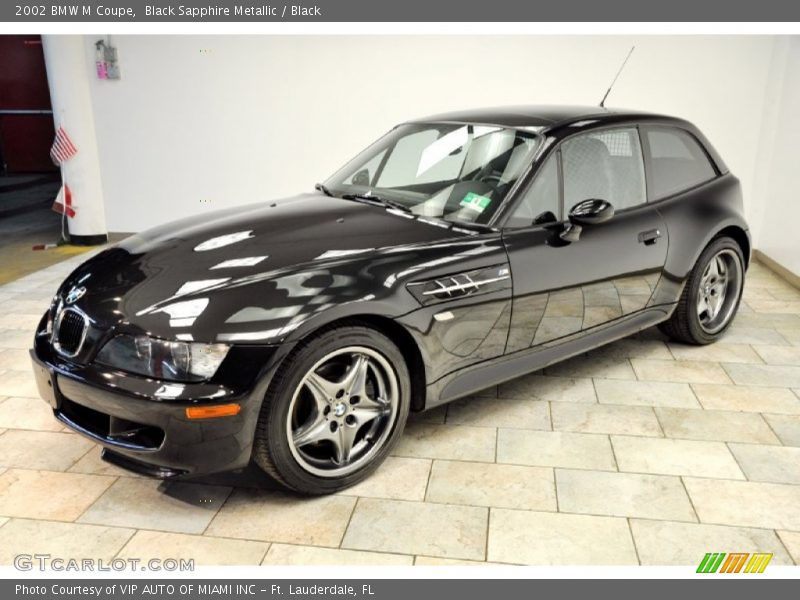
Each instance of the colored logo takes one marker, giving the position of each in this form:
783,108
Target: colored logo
734,562
75,294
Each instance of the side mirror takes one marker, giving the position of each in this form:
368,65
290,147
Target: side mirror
591,212
588,212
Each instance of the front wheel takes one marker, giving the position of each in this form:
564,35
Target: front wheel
711,295
333,411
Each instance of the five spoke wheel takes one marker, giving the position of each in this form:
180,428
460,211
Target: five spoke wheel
342,411
718,291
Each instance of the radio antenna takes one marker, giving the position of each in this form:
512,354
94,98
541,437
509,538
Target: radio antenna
624,62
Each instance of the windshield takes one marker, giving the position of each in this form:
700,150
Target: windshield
456,172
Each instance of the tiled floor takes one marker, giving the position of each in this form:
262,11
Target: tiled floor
643,452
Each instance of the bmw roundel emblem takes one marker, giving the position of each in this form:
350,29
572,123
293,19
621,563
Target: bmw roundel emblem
75,294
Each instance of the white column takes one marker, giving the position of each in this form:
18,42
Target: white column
68,72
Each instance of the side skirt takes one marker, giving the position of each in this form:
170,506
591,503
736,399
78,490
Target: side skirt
499,370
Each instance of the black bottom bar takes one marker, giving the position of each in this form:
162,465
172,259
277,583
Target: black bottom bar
88,240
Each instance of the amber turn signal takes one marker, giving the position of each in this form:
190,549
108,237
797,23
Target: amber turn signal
209,412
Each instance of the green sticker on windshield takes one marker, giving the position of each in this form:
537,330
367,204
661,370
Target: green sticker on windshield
475,202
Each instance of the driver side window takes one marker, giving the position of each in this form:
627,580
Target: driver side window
540,203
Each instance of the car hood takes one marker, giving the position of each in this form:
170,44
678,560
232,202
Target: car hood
159,279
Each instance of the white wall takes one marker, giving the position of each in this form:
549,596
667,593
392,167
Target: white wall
779,162
201,122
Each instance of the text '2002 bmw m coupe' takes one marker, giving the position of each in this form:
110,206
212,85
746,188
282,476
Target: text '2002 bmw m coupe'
456,252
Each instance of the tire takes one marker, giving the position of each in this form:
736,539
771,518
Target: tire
720,294
334,410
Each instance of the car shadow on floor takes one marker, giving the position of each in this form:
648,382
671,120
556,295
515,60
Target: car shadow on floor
251,477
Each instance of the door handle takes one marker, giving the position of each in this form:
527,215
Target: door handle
648,238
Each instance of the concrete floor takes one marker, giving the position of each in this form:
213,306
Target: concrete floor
20,232
643,452
26,219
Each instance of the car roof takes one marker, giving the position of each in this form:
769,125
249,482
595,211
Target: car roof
539,116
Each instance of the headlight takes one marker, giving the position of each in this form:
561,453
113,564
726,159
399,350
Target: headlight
160,359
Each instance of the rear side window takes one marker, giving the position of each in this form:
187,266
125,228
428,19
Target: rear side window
677,161
605,165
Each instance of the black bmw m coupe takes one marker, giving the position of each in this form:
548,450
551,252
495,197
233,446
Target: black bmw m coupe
456,252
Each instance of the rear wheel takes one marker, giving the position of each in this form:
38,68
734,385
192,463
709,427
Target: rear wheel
334,410
711,295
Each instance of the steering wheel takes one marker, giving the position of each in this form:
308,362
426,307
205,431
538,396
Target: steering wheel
492,180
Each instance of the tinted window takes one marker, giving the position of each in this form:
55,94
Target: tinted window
677,162
457,172
606,165
539,204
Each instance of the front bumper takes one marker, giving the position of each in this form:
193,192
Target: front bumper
142,424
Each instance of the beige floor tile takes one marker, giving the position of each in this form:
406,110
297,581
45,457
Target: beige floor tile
18,383
431,561
775,306
623,495
670,543
645,393
92,463
760,293
397,478
285,554
715,425
205,550
682,371
490,412
26,304
731,353
540,538
49,495
787,428
15,359
791,539
283,517
775,321
46,450
785,291
745,503
605,418
766,375
16,338
775,464
418,528
28,413
751,335
780,355
62,540
148,504
552,389
24,322
554,449
457,442
791,335
593,364
747,398
483,484
661,456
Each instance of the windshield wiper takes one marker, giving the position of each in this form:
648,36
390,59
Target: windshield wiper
378,200
321,188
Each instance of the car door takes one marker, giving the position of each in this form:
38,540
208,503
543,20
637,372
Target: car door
563,288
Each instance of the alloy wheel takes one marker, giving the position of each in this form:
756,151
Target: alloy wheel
342,411
719,290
